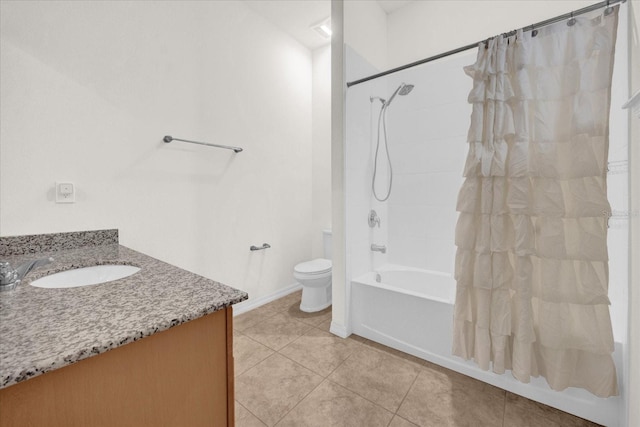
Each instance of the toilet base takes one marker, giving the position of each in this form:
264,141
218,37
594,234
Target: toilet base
315,298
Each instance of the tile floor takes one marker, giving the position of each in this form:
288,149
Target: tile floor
290,371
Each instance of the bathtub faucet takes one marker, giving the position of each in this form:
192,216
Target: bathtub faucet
379,248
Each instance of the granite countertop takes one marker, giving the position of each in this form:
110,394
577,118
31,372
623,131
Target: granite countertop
46,329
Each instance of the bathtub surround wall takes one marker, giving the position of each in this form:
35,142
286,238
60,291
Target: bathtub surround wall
425,136
361,131
88,90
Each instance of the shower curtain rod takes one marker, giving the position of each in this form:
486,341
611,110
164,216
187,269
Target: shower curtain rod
531,27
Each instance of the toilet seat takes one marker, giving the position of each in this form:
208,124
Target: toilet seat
313,267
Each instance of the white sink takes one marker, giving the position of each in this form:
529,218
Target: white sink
86,276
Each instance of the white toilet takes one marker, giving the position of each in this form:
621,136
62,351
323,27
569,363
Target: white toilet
315,277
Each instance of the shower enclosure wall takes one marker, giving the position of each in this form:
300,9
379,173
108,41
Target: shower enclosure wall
404,297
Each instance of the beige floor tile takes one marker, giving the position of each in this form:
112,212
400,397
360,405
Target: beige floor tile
277,331
401,422
325,325
376,376
250,318
287,301
314,318
333,405
320,351
393,352
245,418
273,387
247,353
522,412
440,397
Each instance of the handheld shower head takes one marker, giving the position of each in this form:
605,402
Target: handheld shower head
403,90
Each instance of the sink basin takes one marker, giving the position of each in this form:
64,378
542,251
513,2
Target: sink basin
86,276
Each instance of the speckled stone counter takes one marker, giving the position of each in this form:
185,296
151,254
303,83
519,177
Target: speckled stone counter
46,329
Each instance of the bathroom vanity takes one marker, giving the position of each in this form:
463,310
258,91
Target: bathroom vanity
152,349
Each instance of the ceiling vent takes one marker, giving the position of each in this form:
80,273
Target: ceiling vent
323,28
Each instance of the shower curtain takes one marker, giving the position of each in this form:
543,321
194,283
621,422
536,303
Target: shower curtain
531,262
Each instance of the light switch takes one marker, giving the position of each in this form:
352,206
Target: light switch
65,192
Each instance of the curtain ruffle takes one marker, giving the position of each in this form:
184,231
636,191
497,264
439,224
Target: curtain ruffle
532,263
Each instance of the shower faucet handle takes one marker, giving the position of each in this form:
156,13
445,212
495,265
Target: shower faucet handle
374,219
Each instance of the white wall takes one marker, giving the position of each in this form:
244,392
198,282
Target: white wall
88,90
339,318
366,32
426,28
633,356
321,148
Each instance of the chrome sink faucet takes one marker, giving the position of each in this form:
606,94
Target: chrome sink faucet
379,248
10,277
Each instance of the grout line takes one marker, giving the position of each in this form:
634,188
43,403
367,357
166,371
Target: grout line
300,364
259,361
407,393
361,396
301,400
340,364
367,399
504,408
248,369
247,409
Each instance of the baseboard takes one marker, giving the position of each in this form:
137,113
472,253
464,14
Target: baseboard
339,330
252,303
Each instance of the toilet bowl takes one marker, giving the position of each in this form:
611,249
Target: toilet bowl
315,278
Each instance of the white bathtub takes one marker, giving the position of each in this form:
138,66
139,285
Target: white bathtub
411,310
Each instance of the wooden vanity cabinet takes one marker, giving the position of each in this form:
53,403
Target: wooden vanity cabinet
179,377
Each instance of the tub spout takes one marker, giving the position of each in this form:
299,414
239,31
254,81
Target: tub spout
379,248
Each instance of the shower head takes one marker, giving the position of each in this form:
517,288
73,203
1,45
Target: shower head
403,89
406,89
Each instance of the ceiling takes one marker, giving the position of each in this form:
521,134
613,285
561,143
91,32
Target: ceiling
296,17
391,6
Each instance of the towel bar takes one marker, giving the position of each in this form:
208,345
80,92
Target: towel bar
169,138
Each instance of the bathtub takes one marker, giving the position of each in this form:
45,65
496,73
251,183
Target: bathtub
411,310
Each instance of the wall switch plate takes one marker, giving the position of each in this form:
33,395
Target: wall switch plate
65,192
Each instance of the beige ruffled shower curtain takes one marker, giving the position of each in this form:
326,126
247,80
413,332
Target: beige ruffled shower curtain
532,264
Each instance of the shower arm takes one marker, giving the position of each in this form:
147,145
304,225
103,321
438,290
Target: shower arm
394,95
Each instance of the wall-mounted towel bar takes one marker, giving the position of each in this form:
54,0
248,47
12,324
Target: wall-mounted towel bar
169,138
256,248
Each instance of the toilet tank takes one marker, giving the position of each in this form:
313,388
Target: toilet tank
326,241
